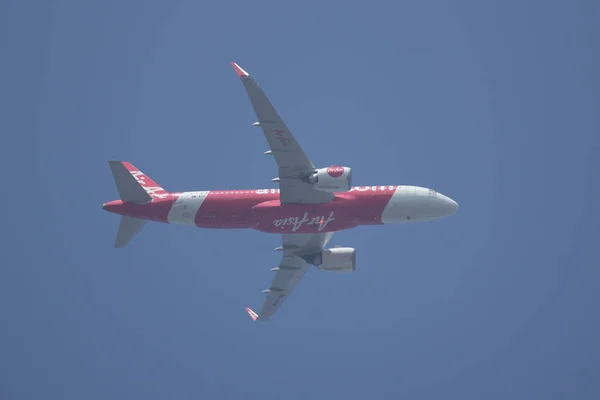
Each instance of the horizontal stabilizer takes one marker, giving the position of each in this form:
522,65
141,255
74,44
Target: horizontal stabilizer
128,186
128,228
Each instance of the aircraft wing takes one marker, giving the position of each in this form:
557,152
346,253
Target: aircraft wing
291,269
291,160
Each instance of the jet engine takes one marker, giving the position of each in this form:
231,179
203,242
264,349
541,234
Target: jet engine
333,179
339,259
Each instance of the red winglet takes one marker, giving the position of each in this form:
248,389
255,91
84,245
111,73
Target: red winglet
252,314
238,70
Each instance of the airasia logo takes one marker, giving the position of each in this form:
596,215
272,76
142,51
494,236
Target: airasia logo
297,222
335,172
279,133
151,190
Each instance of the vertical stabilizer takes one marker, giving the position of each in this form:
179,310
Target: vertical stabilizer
128,186
128,228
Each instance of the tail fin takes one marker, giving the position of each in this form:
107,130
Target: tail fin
133,185
128,228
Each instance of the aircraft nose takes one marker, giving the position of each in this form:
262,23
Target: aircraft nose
447,205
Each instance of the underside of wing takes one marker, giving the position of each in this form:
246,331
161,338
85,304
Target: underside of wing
291,160
305,243
287,275
291,270
295,191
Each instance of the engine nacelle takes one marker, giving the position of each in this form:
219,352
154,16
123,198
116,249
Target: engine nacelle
333,179
339,259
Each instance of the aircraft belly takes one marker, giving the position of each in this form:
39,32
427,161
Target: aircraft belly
344,212
212,209
225,211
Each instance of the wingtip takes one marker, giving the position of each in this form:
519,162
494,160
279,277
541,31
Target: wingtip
251,313
239,71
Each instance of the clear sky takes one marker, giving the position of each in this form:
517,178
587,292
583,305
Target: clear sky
495,104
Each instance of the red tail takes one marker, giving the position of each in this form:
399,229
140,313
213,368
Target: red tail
151,187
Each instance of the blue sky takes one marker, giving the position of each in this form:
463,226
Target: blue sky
492,103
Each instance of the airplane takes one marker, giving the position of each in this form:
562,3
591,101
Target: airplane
309,206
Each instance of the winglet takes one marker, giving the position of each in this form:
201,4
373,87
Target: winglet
238,70
252,314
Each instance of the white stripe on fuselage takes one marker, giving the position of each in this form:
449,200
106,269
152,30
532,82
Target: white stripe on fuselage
185,208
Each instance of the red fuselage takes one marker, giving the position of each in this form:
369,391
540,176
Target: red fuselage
261,210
